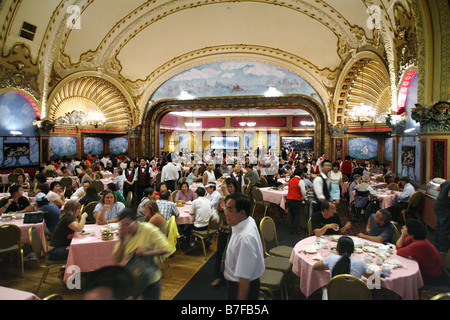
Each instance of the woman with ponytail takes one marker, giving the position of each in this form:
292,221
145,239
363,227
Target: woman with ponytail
343,263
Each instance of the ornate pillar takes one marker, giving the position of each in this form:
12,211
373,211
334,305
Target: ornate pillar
337,134
134,141
398,125
435,138
43,129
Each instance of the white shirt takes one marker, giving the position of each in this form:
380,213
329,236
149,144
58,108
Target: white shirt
244,256
201,208
214,199
318,186
119,181
169,172
79,193
408,190
139,168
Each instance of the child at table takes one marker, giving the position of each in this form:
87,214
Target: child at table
343,262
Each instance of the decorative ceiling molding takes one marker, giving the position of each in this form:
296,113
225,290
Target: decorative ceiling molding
89,94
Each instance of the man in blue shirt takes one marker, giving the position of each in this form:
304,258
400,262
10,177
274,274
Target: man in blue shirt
379,227
52,214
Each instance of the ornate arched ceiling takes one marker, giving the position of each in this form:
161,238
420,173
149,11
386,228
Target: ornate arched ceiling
141,44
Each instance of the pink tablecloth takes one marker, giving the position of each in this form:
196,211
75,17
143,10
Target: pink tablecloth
405,281
88,252
14,294
185,217
275,196
385,199
24,228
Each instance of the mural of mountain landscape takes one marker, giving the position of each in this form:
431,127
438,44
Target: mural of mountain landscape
234,78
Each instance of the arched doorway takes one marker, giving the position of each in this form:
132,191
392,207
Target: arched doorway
153,116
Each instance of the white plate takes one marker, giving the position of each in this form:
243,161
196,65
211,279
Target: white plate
311,249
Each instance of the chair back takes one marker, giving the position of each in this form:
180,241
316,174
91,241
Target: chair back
37,247
18,170
213,226
53,297
310,231
98,185
9,236
66,182
129,199
393,186
174,194
441,296
415,200
12,178
263,182
257,194
396,232
348,287
158,177
98,175
50,173
89,209
268,232
379,179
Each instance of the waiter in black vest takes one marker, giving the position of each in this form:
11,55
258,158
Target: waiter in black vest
321,186
142,178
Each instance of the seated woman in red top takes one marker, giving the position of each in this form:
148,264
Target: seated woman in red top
413,243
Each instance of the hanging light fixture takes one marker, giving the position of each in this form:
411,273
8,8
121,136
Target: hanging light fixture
247,123
193,123
362,113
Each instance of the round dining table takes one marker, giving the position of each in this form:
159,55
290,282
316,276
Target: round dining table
405,279
15,294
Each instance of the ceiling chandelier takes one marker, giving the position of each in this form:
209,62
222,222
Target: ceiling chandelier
362,113
96,119
247,123
193,123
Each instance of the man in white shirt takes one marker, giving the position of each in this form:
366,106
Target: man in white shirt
244,257
170,174
81,192
213,195
119,180
403,198
201,209
321,185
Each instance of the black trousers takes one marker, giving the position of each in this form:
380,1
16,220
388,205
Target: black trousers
397,209
253,292
222,240
170,185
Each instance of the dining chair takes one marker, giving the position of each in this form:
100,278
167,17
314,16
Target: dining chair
200,236
98,185
263,182
89,209
413,206
441,296
269,235
174,194
393,186
66,183
53,297
10,236
379,179
12,178
129,199
310,231
18,170
396,232
41,256
348,287
271,281
257,197
50,173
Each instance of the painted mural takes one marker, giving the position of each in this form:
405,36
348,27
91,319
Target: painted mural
233,78
118,146
388,149
363,148
62,147
17,115
93,144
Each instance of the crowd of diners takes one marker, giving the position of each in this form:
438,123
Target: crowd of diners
153,180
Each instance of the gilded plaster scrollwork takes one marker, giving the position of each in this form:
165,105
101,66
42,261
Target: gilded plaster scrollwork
435,118
337,131
17,71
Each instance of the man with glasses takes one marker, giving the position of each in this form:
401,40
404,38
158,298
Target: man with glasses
244,257
327,221
145,240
